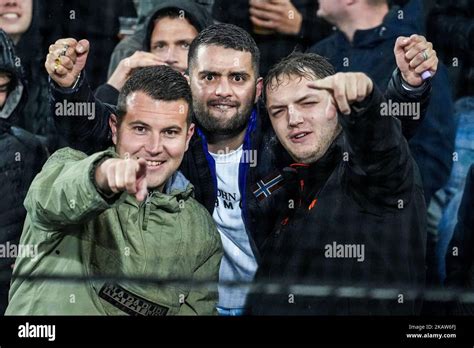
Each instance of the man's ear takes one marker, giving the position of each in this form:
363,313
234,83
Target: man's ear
259,89
189,134
113,123
186,76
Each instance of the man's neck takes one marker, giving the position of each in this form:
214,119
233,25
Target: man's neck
226,145
362,19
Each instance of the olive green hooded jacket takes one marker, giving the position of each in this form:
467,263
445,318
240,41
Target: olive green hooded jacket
79,232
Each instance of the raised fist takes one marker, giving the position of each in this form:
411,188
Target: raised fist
65,60
414,55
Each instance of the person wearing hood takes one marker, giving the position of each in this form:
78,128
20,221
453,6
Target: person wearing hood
22,158
20,20
165,40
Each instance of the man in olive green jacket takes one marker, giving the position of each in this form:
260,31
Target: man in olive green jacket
124,212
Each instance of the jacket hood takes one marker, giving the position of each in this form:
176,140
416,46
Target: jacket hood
195,13
399,21
178,185
9,63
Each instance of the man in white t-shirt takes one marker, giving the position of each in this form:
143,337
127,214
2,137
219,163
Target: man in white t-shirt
225,82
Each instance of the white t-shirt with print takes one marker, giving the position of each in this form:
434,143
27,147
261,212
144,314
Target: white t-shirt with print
238,263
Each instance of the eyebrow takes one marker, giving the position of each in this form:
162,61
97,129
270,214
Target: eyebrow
186,40
232,73
144,124
242,73
174,127
307,96
139,123
208,72
303,98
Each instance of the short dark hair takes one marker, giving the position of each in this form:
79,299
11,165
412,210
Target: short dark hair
307,65
158,82
226,36
167,12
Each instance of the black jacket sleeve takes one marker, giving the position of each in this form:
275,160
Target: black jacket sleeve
87,133
397,93
107,94
379,171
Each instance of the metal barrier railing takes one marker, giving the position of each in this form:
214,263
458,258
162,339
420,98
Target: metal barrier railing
436,294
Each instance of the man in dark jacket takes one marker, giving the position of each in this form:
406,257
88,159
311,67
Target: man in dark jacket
22,158
355,214
364,42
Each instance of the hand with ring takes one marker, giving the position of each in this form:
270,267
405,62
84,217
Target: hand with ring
64,50
415,57
65,60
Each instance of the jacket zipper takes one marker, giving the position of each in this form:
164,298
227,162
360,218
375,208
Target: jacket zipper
301,192
147,210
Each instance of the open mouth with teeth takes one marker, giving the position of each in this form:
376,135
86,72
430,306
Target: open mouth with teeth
223,106
154,164
299,137
10,16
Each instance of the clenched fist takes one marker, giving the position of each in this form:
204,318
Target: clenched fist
414,55
345,89
118,175
65,60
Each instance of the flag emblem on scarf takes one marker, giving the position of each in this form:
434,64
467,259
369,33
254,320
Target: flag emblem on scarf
265,187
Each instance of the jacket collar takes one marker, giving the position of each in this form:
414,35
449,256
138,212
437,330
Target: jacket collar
308,179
